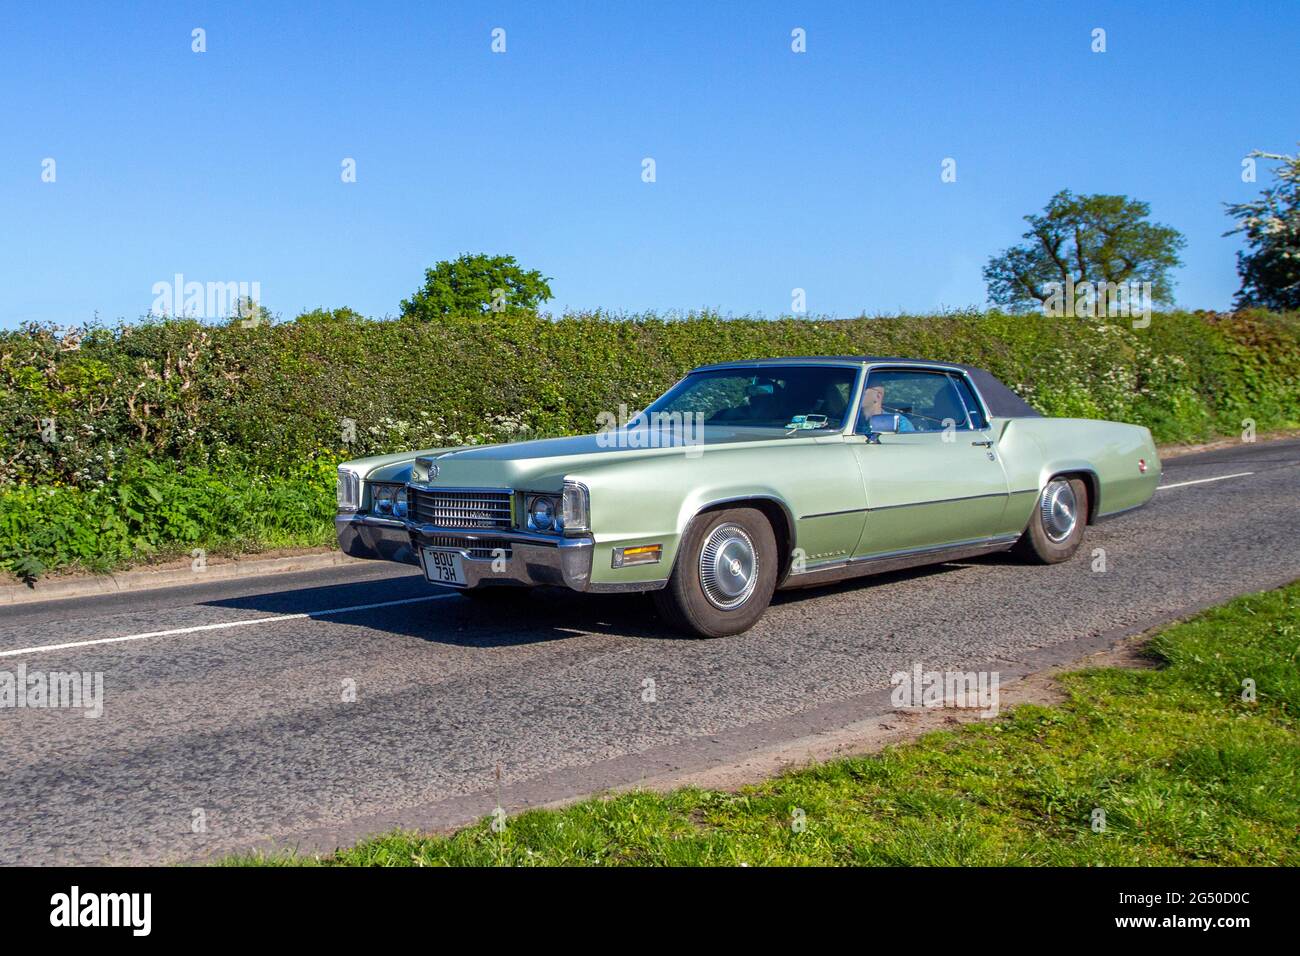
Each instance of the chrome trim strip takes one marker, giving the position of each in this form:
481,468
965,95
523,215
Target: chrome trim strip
361,517
928,549
941,501
917,504
627,587
785,510
970,422
830,571
496,534
812,360
435,489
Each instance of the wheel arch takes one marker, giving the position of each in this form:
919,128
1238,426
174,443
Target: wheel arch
778,515
1085,473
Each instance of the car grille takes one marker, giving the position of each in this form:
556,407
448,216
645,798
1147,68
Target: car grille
483,548
461,509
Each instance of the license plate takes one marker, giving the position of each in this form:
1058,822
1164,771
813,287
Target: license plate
444,567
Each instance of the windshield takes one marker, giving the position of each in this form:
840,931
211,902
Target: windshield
790,398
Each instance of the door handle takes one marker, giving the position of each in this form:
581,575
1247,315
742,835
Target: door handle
982,444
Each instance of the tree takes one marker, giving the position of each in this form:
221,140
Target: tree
475,285
322,315
1270,269
248,313
1084,239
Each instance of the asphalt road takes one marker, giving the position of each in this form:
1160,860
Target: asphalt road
230,728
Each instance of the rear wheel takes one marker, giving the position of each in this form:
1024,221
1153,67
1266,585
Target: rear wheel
724,576
1056,526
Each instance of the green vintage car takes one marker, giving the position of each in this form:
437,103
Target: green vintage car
751,476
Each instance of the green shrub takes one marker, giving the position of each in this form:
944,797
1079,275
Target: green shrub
154,509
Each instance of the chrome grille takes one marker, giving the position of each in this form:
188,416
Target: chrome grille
483,548
461,509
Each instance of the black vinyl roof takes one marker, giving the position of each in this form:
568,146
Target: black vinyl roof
1002,402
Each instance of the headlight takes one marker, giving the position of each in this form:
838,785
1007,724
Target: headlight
388,499
347,488
541,513
576,507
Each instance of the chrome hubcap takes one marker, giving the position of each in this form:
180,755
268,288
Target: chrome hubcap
1059,510
728,567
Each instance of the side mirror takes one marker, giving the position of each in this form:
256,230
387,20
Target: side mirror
878,425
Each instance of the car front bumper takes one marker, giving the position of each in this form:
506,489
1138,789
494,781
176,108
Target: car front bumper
533,559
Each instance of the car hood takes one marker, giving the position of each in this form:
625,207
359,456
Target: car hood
542,464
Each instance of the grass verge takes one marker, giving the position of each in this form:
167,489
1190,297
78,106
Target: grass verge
1186,771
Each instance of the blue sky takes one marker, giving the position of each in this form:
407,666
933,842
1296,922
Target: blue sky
775,170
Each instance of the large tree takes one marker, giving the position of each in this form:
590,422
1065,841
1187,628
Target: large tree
1270,268
477,284
1080,239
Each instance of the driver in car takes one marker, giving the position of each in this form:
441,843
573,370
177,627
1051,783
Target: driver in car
873,403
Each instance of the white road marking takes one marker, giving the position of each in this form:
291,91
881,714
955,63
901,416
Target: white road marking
1201,481
218,627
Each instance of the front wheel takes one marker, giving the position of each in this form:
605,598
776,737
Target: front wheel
724,576
1056,526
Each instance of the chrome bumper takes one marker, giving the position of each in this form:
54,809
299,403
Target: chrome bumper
534,559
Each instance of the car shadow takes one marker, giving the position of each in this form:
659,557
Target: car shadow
998,559
410,607
852,585
514,616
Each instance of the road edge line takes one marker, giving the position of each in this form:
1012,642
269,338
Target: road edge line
148,580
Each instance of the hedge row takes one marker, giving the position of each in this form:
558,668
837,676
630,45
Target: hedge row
83,416
275,396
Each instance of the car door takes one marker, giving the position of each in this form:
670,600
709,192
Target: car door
937,481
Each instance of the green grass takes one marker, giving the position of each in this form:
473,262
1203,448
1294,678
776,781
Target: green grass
1185,770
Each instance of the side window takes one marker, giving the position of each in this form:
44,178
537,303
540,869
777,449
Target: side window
972,403
924,401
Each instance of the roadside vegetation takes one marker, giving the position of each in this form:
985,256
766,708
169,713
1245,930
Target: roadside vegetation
1185,770
157,510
